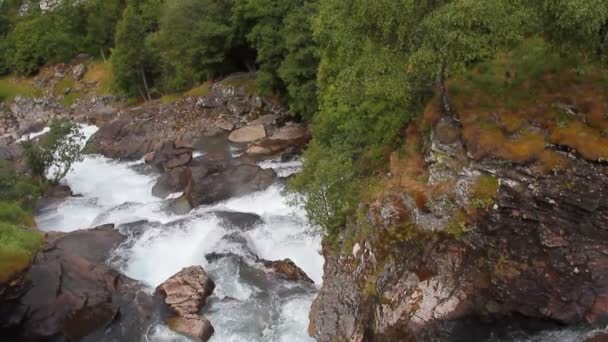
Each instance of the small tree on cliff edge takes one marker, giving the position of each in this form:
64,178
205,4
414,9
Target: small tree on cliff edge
58,151
463,32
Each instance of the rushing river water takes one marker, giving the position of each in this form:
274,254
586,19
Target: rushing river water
243,307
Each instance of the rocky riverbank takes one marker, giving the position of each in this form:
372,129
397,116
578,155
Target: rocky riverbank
508,243
71,292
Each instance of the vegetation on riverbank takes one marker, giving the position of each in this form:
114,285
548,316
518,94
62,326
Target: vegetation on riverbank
360,72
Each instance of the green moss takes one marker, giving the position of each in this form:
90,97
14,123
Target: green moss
171,98
10,87
17,248
202,90
484,191
246,82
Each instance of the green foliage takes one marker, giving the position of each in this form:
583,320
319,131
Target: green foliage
328,183
129,53
101,19
57,152
194,38
18,244
465,31
19,189
38,38
298,70
17,247
12,213
574,24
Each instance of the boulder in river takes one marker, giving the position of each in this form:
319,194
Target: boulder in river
170,156
185,293
287,270
208,187
214,180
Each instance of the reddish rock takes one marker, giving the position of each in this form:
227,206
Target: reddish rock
197,327
287,269
185,294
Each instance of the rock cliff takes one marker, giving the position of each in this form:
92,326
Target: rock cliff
506,242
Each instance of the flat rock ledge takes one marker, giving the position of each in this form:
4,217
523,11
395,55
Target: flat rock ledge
185,294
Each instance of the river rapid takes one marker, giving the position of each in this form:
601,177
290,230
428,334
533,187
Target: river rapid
244,306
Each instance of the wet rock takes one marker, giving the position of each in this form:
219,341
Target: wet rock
169,156
210,185
197,327
238,220
54,194
287,270
248,134
186,291
68,293
172,181
185,294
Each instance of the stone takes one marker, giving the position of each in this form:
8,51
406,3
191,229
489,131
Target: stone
185,294
78,72
186,291
248,134
194,326
209,102
287,270
168,156
209,186
172,181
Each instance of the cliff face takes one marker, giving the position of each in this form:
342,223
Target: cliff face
506,241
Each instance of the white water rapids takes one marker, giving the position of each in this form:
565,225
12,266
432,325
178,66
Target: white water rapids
239,309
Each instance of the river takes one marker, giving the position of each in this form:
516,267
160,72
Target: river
243,307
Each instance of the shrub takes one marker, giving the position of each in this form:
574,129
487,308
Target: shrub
11,212
59,150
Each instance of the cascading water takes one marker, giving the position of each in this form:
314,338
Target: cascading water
245,305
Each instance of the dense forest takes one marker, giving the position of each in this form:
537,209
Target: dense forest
357,70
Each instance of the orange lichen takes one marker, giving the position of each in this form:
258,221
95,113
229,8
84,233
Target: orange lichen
488,140
551,161
585,140
511,123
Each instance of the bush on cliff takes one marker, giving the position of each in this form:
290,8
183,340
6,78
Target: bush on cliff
58,151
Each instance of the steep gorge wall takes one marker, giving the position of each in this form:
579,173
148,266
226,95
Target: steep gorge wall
538,249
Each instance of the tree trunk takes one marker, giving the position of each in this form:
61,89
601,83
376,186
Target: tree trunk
103,55
143,76
445,97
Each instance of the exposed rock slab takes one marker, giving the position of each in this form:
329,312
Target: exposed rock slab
248,134
68,293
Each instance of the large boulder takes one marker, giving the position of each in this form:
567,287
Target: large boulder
248,134
170,156
185,294
216,182
290,137
69,294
